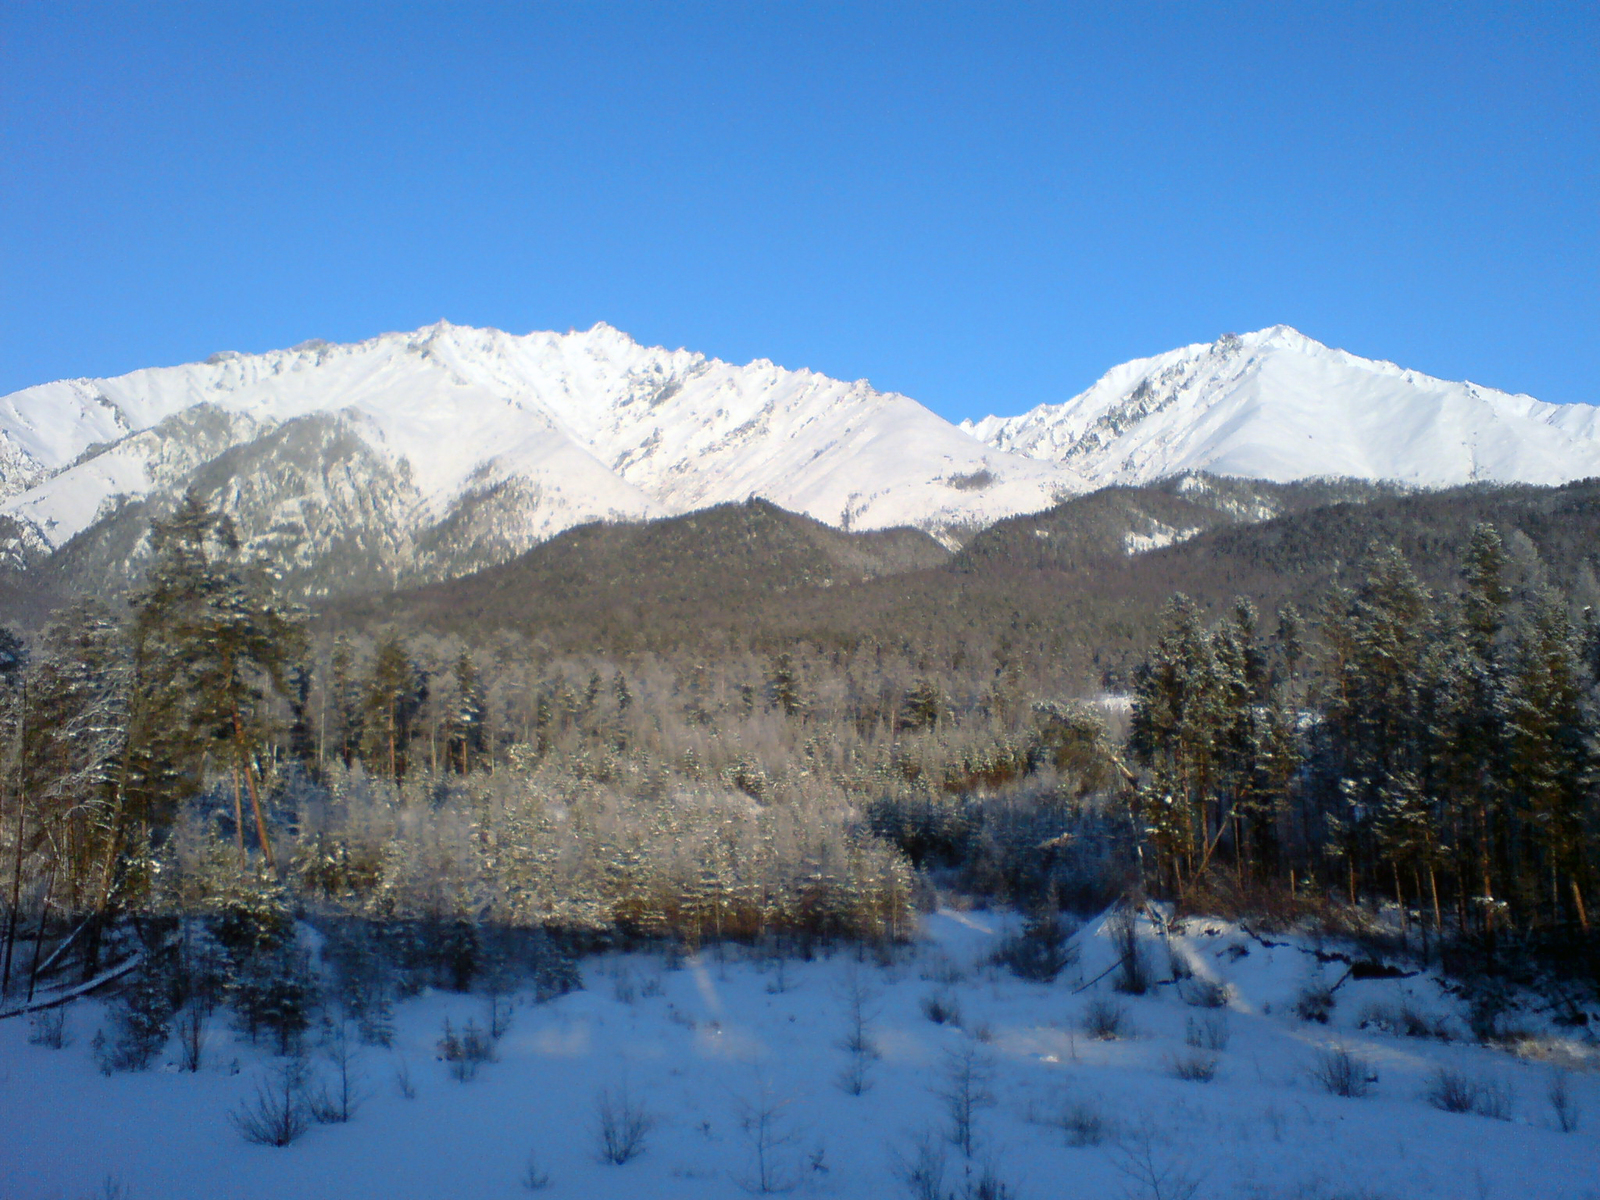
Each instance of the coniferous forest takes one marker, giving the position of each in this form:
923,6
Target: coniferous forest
190,770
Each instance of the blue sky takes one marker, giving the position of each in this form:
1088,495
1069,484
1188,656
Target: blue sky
982,206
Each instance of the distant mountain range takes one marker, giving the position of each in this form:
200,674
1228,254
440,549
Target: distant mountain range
427,455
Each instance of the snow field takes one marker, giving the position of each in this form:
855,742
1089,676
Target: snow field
716,1046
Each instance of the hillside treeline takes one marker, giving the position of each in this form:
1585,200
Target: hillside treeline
1072,597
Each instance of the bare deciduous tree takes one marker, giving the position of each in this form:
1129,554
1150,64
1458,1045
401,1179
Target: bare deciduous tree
966,1091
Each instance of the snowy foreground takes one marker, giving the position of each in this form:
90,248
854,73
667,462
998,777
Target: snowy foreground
707,1046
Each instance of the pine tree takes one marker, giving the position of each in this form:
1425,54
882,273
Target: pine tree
394,692
1477,752
783,684
1174,735
208,626
345,701
466,719
1551,757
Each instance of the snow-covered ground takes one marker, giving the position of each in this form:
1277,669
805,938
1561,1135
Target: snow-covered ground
701,1043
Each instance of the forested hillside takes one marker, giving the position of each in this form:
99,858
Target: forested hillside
743,724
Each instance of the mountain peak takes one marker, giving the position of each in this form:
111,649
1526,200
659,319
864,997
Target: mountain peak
1280,336
1295,408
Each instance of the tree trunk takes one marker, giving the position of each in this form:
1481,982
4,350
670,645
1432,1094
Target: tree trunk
250,782
16,869
238,805
38,937
108,873
16,896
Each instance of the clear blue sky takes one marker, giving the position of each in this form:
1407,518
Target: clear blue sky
983,206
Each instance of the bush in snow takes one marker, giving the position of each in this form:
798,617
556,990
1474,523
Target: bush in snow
274,991
1204,993
770,1132
336,1101
857,1043
1082,1121
1153,1170
534,1178
623,1125
467,1051
1208,1033
1133,973
1340,1073
922,1169
1562,1102
1104,1019
965,1090
49,1028
941,1009
1454,1091
1404,1020
1194,1068
111,1188
1314,1002
278,1113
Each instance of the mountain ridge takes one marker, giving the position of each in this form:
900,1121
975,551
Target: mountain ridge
583,426
411,457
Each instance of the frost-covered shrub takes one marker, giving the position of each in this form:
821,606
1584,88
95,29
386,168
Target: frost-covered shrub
646,854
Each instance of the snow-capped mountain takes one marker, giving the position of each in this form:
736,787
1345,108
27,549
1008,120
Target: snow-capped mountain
424,455
438,451
1278,405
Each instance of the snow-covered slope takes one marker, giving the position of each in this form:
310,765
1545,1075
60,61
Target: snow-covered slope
558,429
1278,405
